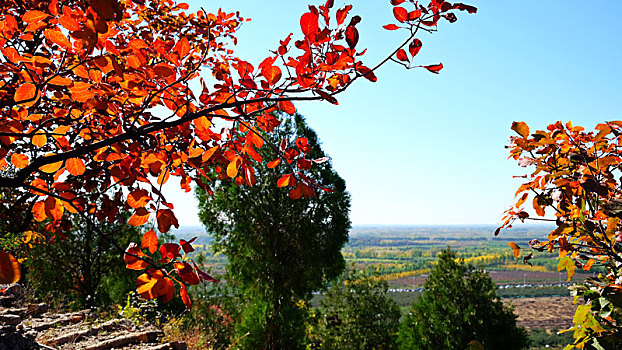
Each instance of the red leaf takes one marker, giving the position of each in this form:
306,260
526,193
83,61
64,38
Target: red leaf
309,23
414,47
391,27
283,145
203,276
150,241
413,15
166,219
320,160
342,13
400,14
352,36
367,73
303,144
397,2
186,246
186,273
170,251
401,55
272,74
327,97
434,68
463,7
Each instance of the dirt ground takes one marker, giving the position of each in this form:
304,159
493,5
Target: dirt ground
543,312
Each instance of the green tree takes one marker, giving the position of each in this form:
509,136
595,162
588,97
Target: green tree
90,262
279,249
459,304
358,315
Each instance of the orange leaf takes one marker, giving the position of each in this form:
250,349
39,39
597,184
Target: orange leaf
20,160
150,241
60,81
138,198
208,154
34,16
286,180
521,128
75,166
182,47
38,211
515,249
25,95
54,208
9,268
139,218
287,107
52,167
163,177
274,163
184,296
232,168
58,38
39,140
133,262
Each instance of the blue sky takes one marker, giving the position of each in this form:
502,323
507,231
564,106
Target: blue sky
419,148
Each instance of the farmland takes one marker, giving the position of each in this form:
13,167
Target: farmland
403,255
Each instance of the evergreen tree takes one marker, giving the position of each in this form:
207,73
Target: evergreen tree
459,304
279,249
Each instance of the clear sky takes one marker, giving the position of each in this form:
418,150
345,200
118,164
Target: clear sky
419,148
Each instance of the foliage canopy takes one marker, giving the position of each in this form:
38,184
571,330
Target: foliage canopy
459,304
280,249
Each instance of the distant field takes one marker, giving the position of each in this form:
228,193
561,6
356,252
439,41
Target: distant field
404,255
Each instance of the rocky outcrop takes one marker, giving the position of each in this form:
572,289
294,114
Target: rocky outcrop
33,327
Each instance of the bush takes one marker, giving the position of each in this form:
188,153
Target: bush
459,304
357,314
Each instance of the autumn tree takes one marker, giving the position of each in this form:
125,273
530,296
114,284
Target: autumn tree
459,306
574,182
281,244
81,81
